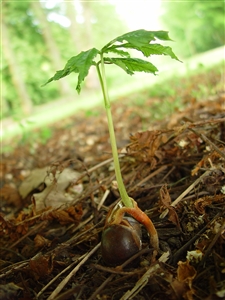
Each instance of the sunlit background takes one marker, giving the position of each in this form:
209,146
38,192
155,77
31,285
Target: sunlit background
139,14
38,37
136,14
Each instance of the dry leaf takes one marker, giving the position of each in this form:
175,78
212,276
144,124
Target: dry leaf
165,202
40,241
11,195
56,182
145,145
36,177
203,202
64,216
41,265
185,272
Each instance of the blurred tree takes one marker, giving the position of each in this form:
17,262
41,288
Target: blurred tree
15,72
91,25
41,41
85,41
53,50
196,26
30,57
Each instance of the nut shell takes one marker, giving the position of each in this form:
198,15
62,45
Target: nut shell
120,242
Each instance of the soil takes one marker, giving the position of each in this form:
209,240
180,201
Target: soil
56,193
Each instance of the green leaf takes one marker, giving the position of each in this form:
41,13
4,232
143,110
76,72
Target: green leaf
79,64
114,49
162,35
152,49
140,37
131,65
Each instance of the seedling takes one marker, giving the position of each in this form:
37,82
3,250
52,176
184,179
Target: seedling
144,42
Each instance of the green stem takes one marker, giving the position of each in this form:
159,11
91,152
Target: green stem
102,78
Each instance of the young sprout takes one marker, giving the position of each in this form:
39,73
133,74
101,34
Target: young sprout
145,42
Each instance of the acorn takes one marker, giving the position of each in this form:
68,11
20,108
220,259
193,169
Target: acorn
121,237
121,241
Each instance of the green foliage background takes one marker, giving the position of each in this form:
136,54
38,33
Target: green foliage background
196,26
31,52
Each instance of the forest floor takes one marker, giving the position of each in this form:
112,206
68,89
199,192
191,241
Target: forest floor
56,191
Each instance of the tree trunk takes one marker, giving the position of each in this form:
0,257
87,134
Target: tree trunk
82,41
51,45
73,29
14,68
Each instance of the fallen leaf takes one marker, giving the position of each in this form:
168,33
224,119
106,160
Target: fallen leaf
56,182
164,203
203,202
11,195
9,291
40,241
185,272
146,145
41,265
70,215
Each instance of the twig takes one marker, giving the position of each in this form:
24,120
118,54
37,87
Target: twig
117,270
130,294
148,177
93,296
207,252
193,239
101,287
207,121
32,231
72,273
101,164
69,293
103,199
57,276
197,181
209,142
181,250
13,268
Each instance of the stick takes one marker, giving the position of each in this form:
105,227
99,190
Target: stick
72,273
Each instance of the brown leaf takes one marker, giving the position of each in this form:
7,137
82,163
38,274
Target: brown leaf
185,272
179,288
41,265
145,145
165,202
55,181
207,160
76,212
40,241
66,216
5,226
11,195
9,229
203,202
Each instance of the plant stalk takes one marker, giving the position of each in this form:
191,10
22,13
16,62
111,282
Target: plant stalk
122,190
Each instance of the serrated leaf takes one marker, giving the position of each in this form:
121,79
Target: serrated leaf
115,50
139,37
131,65
152,49
120,63
162,35
80,64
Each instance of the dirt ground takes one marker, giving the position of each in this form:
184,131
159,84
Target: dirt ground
55,195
